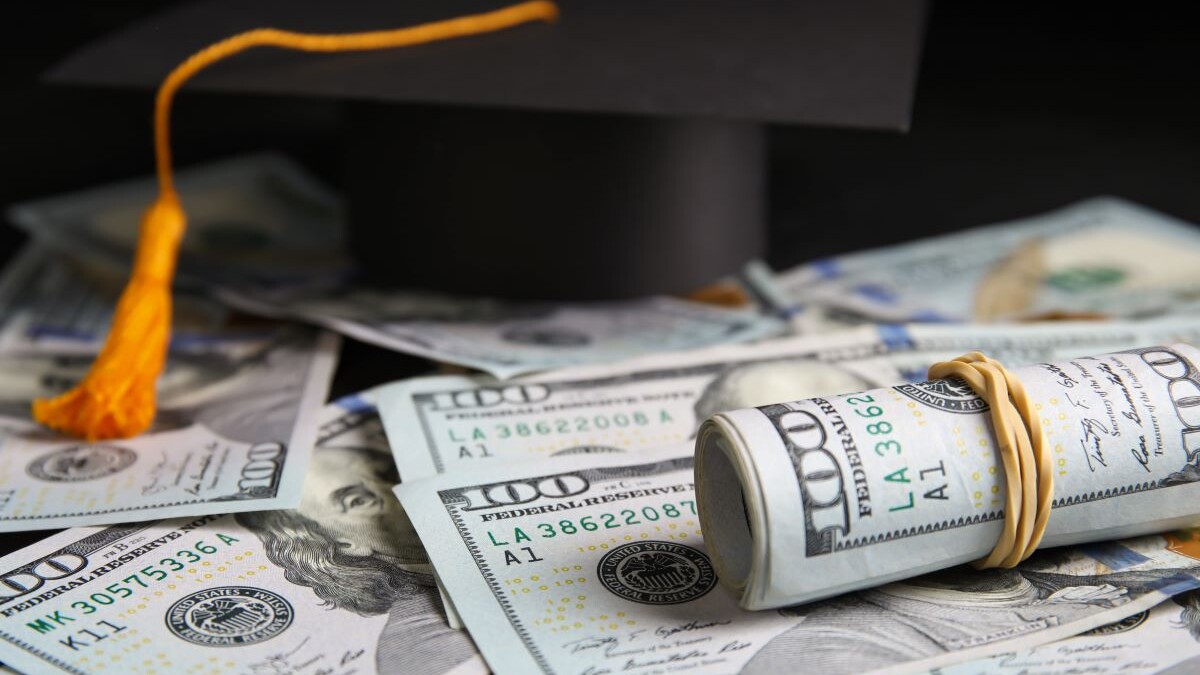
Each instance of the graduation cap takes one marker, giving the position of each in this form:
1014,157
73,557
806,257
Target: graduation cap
620,151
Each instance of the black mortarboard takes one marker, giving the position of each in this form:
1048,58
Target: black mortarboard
620,151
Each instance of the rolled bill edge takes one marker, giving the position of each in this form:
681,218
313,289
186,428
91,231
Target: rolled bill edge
805,500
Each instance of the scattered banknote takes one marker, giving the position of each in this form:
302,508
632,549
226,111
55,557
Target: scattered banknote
809,318
234,428
443,424
52,303
507,339
596,563
339,585
805,500
1104,256
1161,641
253,219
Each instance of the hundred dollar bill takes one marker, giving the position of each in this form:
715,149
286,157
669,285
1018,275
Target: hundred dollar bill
339,585
1161,641
507,339
257,218
1102,256
51,303
809,499
597,564
234,428
444,424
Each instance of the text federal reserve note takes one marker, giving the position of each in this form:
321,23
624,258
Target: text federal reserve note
596,564
337,586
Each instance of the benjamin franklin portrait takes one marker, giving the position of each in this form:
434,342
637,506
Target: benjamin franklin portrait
350,542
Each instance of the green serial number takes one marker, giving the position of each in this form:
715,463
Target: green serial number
154,573
611,521
562,425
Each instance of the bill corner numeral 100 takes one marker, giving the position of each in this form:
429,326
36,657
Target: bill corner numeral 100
525,491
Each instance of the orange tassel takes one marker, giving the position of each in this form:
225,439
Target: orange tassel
117,397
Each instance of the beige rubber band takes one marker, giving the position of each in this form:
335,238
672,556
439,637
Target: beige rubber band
1021,444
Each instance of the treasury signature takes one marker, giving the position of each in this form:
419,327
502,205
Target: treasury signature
668,631
1092,432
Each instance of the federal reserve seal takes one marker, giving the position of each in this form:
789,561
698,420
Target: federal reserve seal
952,395
1126,624
656,572
81,462
229,616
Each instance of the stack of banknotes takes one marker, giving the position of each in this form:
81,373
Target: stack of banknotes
537,506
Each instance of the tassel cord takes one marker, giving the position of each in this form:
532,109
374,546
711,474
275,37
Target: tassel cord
507,17
117,396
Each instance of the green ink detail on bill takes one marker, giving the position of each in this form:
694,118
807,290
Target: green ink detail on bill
1078,279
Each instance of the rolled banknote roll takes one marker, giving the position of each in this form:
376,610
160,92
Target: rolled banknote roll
808,499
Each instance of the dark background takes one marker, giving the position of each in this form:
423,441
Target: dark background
1020,108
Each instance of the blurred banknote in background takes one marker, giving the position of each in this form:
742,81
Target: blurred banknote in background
260,225
1160,641
53,303
253,219
596,563
507,339
339,585
447,423
234,429
1103,257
